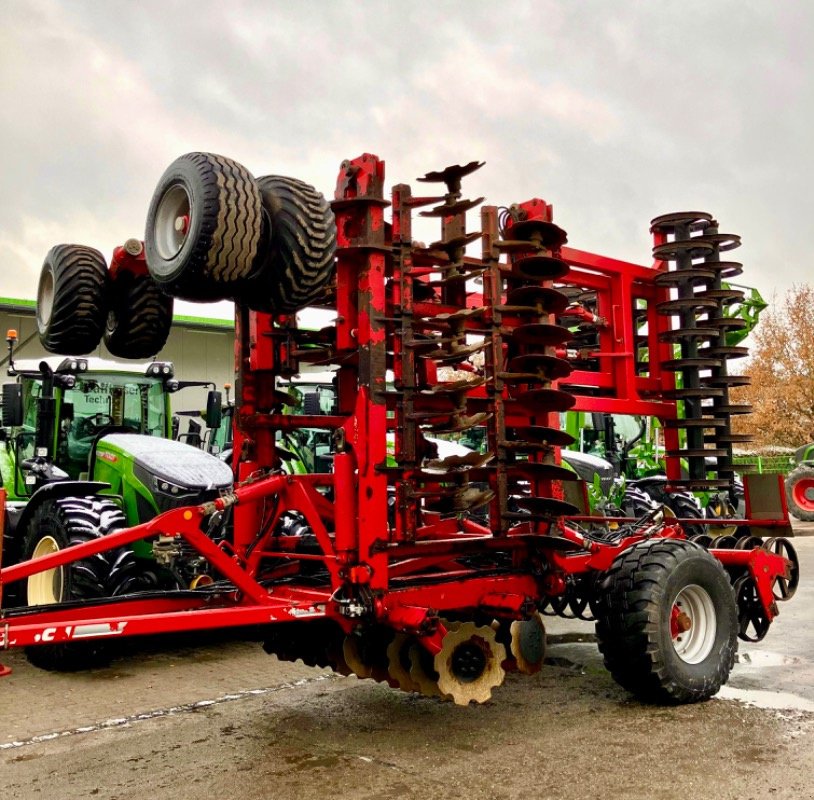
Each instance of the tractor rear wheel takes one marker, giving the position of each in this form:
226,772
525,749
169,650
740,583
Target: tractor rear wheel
800,492
204,227
668,622
140,317
58,524
299,260
71,299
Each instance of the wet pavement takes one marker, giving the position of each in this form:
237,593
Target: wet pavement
227,720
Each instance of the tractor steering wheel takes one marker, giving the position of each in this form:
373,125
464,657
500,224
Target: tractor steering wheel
88,427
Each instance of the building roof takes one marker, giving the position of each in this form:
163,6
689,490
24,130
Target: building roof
28,308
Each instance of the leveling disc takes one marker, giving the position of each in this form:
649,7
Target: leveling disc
469,664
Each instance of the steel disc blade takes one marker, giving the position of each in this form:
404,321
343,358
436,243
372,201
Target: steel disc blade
352,651
528,644
398,662
469,664
422,672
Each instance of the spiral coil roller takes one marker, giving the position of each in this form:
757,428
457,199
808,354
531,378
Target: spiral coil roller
692,244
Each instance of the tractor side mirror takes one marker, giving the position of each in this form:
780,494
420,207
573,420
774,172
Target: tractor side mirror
214,409
12,404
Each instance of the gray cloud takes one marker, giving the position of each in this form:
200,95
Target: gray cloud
613,112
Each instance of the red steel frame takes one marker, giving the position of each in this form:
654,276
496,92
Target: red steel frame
403,575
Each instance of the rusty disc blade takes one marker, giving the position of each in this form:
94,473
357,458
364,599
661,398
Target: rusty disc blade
458,423
550,235
535,471
686,334
685,277
670,307
451,209
451,174
550,366
679,364
548,507
540,434
693,248
552,301
538,401
540,268
667,223
542,334
723,241
471,460
725,269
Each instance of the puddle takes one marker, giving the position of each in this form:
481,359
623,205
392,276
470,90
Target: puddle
762,698
765,658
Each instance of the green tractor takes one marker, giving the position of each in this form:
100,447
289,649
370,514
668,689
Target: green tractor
85,449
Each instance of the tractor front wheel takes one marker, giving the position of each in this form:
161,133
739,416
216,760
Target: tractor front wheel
668,622
800,492
58,524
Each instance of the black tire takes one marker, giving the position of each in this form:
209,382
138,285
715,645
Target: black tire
139,318
298,265
636,503
55,525
636,603
682,504
72,299
224,229
800,492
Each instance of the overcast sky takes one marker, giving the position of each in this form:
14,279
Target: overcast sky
613,111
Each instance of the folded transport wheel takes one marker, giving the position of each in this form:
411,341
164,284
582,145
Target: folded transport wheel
469,664
668,621
58,524
205,227
139,317
297,265
71,299
800,492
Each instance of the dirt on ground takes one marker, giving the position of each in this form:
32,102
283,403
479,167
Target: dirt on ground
230,721
167,720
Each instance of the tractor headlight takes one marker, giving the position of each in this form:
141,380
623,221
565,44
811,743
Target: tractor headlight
169,488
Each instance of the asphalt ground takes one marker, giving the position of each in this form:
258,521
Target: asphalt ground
218,717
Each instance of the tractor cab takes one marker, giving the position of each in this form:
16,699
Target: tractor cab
58,408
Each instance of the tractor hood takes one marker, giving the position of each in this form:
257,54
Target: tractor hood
167,460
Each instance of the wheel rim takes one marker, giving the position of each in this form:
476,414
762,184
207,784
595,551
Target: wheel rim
803,493
172,219
46,587
45,299
693,624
